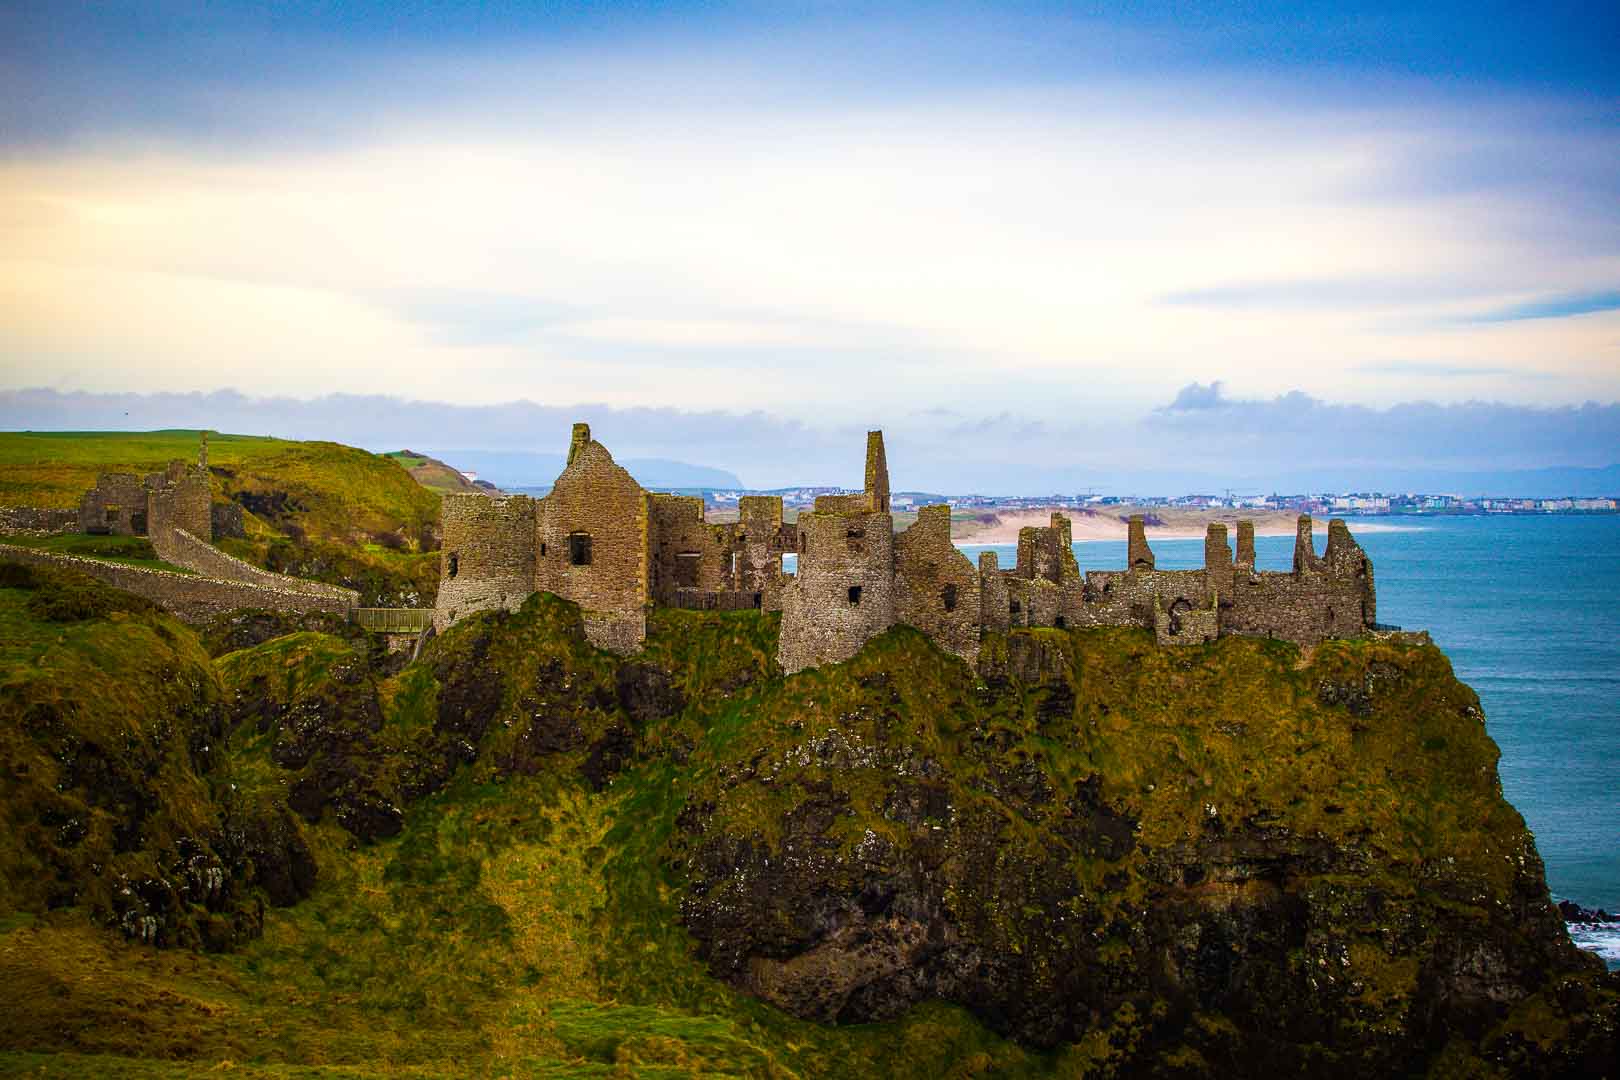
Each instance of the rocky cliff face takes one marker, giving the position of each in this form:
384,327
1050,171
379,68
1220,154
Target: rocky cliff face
1233,858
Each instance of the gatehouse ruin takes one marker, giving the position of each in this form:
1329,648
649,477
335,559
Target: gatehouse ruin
599,539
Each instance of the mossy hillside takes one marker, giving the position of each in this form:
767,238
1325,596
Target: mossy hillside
109,725
526,917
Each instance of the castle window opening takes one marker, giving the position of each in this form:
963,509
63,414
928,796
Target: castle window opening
112,515
1181,607
686,569
542,547
1062,623
854,596
579,549
455,564
1015,607
949,597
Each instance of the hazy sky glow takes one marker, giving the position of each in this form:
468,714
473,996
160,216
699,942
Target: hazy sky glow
1035,219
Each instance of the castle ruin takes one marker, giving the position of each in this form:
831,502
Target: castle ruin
599,539
123,504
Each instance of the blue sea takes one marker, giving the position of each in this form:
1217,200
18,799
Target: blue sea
1528,610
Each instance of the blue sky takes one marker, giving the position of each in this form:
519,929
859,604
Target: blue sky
1016,233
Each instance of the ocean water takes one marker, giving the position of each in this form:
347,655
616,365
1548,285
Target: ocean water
1528,610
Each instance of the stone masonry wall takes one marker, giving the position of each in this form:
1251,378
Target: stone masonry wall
687,552
184,550
111,506
487,559
192,598
1218,562
937,588
1138,556
38,520
877,472
759,541
1181,624
994,613
178,499
597,511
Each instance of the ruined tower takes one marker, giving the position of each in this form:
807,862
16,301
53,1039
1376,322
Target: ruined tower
844,590
1138,556
486,559
877,472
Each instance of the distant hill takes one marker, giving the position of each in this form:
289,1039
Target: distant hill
432,473
508,469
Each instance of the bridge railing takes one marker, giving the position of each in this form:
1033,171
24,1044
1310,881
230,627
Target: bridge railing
382,620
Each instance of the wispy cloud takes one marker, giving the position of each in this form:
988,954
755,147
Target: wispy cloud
1443,371
1554,307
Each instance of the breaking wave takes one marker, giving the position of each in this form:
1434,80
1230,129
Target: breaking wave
1601,938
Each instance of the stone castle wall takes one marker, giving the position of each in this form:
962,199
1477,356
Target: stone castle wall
174,510
116,505
179,547
192,598
178,499
994,604
687,553
39,520
759,541
937,588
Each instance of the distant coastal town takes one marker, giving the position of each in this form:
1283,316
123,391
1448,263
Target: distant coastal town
1350,503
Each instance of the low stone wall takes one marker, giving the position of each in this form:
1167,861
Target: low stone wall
38,520
194,599
183,549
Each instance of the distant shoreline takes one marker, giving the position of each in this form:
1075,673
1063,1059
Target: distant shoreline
1176,525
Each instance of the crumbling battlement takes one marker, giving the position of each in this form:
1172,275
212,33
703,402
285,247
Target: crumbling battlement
600,540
